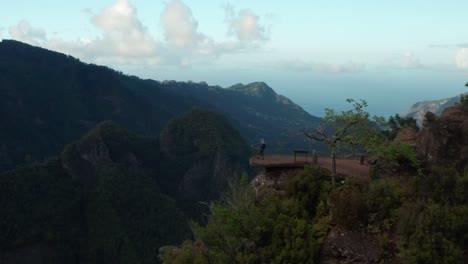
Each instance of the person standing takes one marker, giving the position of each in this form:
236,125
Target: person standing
262,149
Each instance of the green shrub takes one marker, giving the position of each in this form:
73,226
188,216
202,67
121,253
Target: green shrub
464,99
444,185
246,229
385,245
351,208
427,235
189,253
384,196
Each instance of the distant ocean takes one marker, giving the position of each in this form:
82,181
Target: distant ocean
385,95
387,92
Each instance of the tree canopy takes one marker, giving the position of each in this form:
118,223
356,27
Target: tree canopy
343,128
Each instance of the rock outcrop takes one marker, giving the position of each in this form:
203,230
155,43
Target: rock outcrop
443,140
418,110
273,180
407,135
346,246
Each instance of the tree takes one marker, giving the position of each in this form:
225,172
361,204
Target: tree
337,128
464,98
396,123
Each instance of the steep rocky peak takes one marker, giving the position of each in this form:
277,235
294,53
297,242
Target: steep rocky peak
418,110
259,89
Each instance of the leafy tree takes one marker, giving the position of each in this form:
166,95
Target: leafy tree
464,99
396,123
337,128
395,155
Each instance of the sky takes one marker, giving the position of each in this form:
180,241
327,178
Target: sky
316,52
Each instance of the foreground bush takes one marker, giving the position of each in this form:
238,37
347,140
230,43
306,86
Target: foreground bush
242,229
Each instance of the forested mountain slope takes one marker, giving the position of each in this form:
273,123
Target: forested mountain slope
48,99
259,112
113,196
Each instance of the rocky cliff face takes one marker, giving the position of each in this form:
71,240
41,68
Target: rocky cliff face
273,180
418,110
444,140
406,135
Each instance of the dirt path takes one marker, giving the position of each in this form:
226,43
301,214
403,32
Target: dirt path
346,167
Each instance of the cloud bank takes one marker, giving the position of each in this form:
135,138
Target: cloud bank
461,58
298,65
408,61
24,32
124,39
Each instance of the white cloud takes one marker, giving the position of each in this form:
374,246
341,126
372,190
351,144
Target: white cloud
187,45
180,27
123,33
311,66
245,25
184,44
461,58
124,39
24,32
409,61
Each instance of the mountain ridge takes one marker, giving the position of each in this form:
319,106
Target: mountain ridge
419,109
48,99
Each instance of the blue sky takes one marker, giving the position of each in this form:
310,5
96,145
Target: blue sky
318,53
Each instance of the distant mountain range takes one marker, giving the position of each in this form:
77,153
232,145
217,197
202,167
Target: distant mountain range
418,110
258,112
127,162
48,99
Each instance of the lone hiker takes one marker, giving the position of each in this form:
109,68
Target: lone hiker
262,148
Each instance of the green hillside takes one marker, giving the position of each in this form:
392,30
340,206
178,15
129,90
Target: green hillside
114,196
48,99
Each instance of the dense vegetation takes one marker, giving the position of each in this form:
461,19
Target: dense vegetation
415,214
246,229
464,99
396,123
114,196
414,219
48,99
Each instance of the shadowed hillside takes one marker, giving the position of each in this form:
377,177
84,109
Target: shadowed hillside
114,196
48,99
259,112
